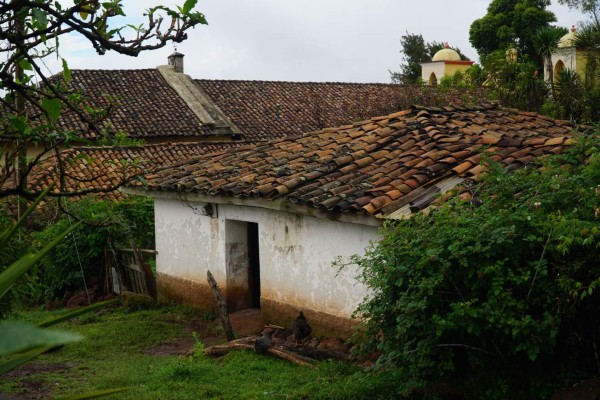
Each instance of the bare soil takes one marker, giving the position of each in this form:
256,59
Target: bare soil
244,323
31,390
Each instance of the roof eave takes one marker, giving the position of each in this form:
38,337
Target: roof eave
277,205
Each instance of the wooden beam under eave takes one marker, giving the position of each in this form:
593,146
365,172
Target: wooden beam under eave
277,205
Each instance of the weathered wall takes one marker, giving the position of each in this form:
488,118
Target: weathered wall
438,68
296,253
574,60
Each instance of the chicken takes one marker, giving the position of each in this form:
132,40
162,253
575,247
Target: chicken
262,344
301,330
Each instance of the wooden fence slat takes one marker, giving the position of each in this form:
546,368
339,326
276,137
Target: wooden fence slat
136,275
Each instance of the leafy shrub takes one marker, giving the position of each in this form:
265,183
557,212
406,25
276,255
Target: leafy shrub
107,224
515,84
15,247
495,297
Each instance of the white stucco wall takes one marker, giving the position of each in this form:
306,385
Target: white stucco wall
568,56
296,253
438,68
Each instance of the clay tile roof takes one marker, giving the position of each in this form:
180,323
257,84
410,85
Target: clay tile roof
108,166
392,163
144,105
265,110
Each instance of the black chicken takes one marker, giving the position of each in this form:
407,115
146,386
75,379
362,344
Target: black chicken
301,330
262,344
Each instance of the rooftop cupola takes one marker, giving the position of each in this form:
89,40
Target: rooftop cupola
445,62
568,40
446,54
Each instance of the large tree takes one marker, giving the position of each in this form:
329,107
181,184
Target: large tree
510,23
416,51
30,32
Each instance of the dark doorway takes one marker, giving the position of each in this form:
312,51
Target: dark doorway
253,265
242,265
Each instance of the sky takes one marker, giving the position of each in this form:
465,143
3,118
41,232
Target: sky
302,40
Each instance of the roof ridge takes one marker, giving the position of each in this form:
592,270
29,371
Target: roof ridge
153,145
301,82
110,70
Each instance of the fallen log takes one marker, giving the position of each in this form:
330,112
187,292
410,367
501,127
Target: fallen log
315,354
293,358
299,355
221,350
271,326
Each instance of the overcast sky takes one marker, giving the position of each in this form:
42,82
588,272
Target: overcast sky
304,40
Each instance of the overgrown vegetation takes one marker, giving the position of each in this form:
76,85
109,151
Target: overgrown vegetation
120,351
108,225
510,24
496,297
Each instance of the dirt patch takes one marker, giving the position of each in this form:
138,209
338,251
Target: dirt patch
33,390
245,323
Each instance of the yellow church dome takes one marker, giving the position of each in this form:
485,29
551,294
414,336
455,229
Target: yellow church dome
446,54
568,40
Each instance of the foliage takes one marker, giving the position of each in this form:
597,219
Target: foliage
108,224
32,102
416,51
496,297
125,357
546,41
510,23
469,80
577,97
515,84
15,247
20,341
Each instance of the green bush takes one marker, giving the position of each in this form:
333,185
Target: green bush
496,297
515,84
12,251
107,224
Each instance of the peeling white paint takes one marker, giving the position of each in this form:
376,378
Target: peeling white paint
296,253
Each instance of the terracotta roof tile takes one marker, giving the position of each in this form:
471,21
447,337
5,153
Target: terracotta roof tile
367,173
265,110
108,166
141,102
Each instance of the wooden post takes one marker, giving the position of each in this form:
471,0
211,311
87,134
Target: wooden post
222,306
145,268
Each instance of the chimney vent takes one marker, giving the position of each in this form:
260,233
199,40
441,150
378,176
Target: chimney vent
176,60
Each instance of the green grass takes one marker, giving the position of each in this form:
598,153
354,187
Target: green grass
112,355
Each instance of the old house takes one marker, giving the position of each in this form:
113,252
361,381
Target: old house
269,219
